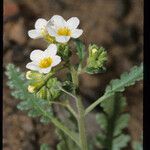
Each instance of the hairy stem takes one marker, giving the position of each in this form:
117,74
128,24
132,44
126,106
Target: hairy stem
70,94
67,106
81,125
81,112
97,102
72,111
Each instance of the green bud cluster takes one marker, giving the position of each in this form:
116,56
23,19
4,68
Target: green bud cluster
42,88
96,60
64,51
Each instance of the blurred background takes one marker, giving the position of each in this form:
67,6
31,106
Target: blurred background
116,25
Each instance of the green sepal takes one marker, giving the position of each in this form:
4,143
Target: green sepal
68,86
52,88
64,51
42,93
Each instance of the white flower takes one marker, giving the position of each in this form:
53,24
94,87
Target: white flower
63,30
43,61
40,29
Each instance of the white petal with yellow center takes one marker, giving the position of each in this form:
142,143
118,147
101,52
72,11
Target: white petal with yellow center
63,30
43,61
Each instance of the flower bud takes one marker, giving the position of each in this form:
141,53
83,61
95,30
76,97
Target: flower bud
52,88
63,51
31,89
43,87
42,93
28,75
96,60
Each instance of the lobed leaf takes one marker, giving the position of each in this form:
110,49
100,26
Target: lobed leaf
35,106
137,146
121,123
45,147
126,79
120,142
113,121
101,119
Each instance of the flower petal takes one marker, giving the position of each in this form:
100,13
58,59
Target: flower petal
76,33
62,39
51,30
73,22
45,70
58,21
36,55
51,50
34,34
40,23
56,60
32,66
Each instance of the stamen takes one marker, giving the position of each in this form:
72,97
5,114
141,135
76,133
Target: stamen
46,62
64,31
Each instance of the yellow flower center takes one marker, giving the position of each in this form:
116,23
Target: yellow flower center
46,62
64,31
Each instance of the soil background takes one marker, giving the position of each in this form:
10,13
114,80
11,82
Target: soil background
116,25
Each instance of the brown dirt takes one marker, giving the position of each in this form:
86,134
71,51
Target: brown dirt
116,25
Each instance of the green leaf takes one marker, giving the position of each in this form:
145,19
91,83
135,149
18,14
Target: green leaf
45,147
64,51
65,142
120,142
115,103
34,113
113,121
137,146
96,60
80,49
68,86
92,70
126,79
121,123
100,140
44,120
101,119
19,84
25,105
61,146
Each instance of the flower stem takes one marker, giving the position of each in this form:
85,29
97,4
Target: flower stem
81,125
97,102
81,112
